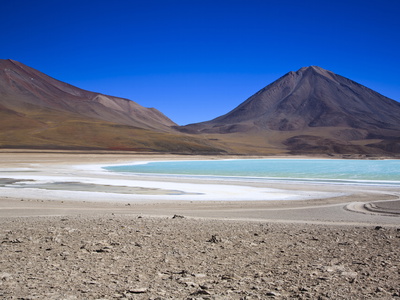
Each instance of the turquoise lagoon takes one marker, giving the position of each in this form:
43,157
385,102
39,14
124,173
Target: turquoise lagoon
317,170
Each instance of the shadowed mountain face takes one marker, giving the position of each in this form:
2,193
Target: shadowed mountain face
312,109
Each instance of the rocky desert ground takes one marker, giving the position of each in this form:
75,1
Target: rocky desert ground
135,257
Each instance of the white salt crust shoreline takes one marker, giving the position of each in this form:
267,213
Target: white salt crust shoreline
211,188
216,198
191,191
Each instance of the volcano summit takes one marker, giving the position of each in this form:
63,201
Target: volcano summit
311,110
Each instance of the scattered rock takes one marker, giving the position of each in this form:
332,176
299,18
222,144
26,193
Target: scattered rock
272,294
191,284
323,278
157,258
137,290
105,249
14,241
178,217
350,274
380,290
5,276
200,292
214,239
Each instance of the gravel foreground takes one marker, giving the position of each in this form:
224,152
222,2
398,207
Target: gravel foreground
134,257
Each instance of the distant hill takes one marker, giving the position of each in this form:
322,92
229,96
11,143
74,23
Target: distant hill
37,111
310,111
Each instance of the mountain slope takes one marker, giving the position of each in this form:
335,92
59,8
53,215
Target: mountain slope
21,87
37,111
311,110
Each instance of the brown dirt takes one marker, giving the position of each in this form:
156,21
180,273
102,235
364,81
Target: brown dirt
134,257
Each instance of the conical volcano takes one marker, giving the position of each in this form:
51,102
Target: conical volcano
313,110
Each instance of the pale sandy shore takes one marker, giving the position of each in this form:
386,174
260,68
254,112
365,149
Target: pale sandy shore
300,241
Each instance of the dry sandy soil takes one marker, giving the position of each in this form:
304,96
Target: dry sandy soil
330,248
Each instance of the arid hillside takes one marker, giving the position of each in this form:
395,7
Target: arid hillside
310,111
37,111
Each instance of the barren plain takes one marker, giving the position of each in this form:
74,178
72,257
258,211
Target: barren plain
62,243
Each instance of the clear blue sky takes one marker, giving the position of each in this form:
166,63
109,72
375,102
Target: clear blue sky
197,59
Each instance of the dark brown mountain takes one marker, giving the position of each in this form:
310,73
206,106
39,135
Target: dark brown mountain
37,111
309,111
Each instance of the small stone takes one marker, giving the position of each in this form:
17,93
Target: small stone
380,290
323,278
5,276
190,284
204,287
106,249
214,239
178,217
138,290
227,276
350,274
118,296
200,292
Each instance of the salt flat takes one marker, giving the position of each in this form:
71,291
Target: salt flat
76,182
